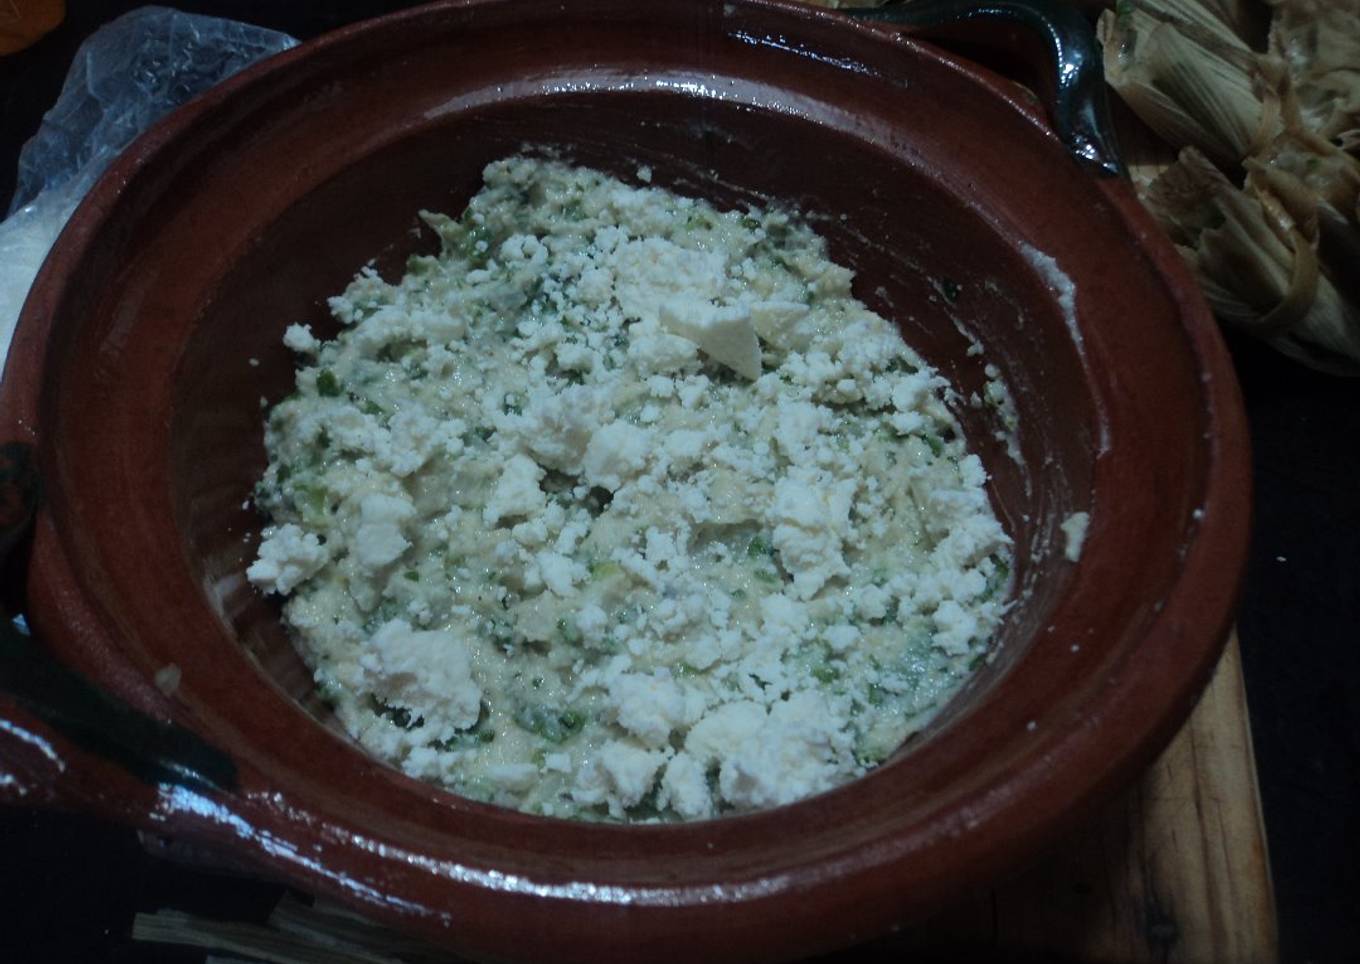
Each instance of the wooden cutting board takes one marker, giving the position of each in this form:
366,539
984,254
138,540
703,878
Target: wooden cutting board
1176,870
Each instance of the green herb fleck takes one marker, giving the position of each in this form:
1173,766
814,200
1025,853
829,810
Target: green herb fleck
826,674
603,569
399,715
476,246
327,385
759,548
554,726
1001,572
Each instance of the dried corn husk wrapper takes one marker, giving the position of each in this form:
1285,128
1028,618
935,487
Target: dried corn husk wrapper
1243,20
1193,82
1277,255
1319,43
1258,269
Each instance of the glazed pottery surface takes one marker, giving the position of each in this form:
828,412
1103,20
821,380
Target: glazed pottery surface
154,334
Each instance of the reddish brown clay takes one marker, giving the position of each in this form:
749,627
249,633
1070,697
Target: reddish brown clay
132,373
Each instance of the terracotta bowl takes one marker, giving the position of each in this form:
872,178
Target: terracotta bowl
152,339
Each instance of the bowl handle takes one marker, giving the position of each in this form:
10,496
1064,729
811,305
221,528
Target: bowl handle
63,741
1054,40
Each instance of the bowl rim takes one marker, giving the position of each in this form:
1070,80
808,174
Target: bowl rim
1103,763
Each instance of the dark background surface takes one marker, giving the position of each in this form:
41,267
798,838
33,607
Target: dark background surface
72,884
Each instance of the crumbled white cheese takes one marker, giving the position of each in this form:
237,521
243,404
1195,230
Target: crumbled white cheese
559,573
432,670
649,707
617,452
725,334
300,339
379,539
1074,532
809,524
620,776
287,557
517,493
622,507
684,788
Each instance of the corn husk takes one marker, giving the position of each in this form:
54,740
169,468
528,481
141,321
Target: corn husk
1276,257
1187,83
297,932
1314,186
1319,41
254,941
1258,269
1246,20
1227,24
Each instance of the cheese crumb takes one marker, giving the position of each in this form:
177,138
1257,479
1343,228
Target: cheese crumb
724,334
288,556
432,670
517,493
1074,531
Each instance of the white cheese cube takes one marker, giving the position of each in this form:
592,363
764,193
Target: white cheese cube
379,539
517,493
725,334
430,672
288,555
649,707
616,452
684,788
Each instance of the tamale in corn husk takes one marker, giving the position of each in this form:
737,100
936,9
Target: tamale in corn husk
1187,82
1277,256
1259,273
1320,44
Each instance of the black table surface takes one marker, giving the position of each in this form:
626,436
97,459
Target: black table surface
73,884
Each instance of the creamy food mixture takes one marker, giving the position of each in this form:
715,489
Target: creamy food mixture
624,507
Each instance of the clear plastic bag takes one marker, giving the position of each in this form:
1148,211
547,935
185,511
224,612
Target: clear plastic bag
124,77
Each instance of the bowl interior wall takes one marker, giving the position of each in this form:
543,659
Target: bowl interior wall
923,257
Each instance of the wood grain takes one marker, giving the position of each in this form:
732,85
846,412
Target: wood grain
1178,870
1175,871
